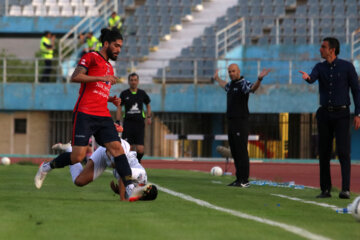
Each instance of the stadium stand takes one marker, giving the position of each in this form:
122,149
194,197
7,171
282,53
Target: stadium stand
267,23
297,23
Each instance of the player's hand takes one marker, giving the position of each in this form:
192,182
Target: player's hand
305,76
216,74
148,121
109,78
118,127
115,100
356,122
264,72
114,187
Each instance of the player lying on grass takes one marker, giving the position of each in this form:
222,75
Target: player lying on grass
100,160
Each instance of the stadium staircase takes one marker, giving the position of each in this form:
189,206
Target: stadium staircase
182,38
281,24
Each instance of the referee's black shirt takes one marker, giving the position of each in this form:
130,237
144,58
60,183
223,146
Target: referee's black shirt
134,104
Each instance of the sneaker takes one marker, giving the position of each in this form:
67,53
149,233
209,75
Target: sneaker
324,194
235,183
245,184
40,176
61,146
344,195
148,192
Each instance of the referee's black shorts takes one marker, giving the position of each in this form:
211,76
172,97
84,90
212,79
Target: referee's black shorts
85,125
134,132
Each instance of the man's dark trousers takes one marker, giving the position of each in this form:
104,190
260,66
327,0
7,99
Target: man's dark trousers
334,123
238,131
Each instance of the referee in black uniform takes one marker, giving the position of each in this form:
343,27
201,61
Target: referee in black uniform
336,77
237,114
134,125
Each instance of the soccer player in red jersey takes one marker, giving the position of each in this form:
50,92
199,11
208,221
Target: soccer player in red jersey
91,115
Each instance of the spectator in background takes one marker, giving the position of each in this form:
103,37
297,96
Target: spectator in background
92,43
336,77
47,45
115,21
134,116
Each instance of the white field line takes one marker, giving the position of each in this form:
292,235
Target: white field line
293,229
306,201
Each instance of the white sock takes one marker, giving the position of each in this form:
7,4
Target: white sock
68,149
46,167
75,171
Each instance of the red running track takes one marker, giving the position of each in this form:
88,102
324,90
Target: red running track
302,173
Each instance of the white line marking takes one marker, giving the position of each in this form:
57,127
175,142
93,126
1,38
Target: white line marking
293,229
306,201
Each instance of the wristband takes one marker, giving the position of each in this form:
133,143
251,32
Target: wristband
260,79
118,122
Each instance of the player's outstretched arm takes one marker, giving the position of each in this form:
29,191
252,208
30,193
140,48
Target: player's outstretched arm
79,76
305,76
261,76
221,82
118,189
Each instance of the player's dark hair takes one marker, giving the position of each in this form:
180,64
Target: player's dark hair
132,75
110,36
333,43
46,33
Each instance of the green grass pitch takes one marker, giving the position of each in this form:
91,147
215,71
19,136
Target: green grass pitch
60,210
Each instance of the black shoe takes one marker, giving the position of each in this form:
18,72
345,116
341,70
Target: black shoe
235,183
344,195
324,194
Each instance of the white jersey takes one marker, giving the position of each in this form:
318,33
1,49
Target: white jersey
102,159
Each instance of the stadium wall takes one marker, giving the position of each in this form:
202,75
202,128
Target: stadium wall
169,98
35,139
37,25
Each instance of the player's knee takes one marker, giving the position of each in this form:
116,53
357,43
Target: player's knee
77,158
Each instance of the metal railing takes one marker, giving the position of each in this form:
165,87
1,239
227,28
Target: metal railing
185,70
29,70
355,44
69,43
230,37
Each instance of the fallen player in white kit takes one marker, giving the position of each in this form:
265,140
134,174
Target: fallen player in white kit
97,164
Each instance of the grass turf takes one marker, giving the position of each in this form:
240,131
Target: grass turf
60,210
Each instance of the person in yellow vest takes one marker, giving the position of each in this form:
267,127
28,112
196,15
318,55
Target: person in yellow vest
47,45
115,21
92,43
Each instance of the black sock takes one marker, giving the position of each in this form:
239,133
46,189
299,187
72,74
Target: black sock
61,161
140,156
123,168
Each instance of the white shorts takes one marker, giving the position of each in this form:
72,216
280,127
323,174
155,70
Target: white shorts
102,161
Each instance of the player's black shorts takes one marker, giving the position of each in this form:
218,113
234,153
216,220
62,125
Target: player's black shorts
134,132
85,125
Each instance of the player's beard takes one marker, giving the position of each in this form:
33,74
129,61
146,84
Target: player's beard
110,54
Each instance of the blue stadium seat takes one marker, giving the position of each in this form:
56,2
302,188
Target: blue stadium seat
175,20
279,10
351,11
154,41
